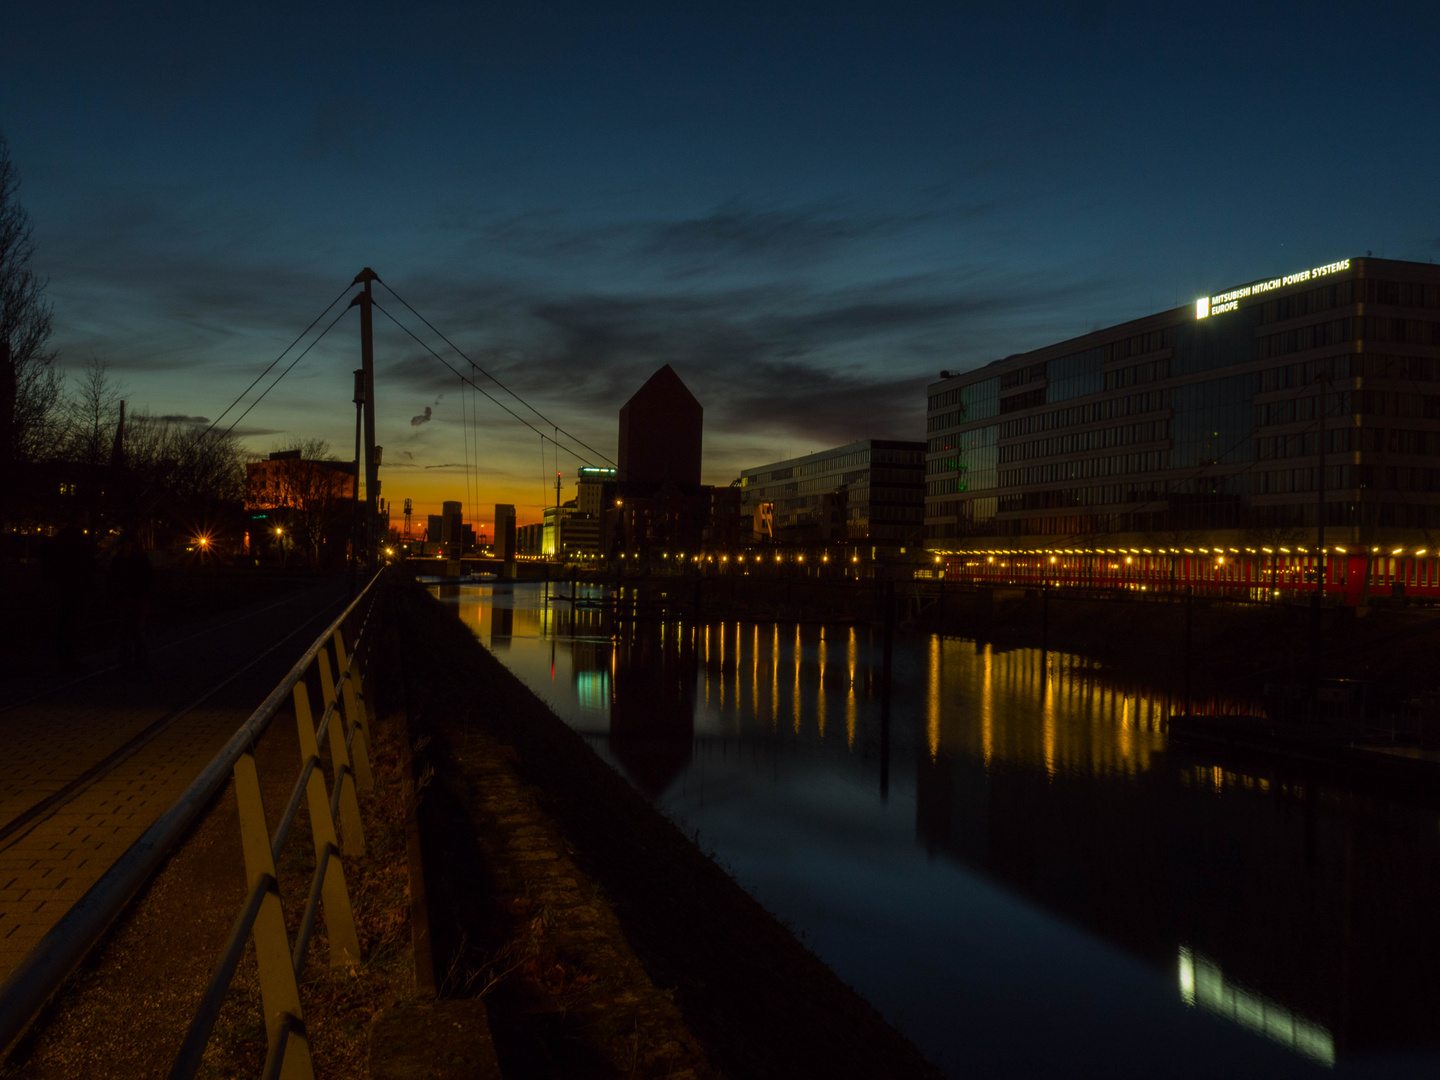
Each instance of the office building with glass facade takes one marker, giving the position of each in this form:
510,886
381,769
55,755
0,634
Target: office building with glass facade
1206,426
872,491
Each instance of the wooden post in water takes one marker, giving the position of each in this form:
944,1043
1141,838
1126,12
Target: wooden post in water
1189,595
888,654
888,630
1045,629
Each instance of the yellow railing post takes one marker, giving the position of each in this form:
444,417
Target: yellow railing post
279,993
339,917
354,836
355,714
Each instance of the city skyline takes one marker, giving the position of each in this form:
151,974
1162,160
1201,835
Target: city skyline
807,217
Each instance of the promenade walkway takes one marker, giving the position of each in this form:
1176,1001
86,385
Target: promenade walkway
87,765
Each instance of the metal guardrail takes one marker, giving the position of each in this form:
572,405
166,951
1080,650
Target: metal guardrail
40,974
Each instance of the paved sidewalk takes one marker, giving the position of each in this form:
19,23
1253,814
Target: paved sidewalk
48,863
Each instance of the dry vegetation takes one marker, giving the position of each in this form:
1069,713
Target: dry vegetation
338,1002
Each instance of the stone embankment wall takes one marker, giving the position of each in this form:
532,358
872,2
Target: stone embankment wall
605,942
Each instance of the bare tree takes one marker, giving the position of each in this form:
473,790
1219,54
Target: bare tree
90,415
29,383
312,487
184,473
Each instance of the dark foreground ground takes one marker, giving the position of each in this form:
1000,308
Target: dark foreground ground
30,612
533,845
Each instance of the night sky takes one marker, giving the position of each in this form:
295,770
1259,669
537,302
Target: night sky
808,214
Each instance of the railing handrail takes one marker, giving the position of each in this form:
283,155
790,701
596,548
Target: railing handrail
47,965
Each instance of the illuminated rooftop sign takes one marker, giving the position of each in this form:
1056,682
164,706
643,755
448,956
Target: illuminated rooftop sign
1229,301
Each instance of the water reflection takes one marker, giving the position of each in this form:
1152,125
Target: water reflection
1039,774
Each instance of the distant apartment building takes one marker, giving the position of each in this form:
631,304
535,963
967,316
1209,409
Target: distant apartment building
870,491
504,545
452,528
529,540
595,489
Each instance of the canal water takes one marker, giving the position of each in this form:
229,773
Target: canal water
1007,859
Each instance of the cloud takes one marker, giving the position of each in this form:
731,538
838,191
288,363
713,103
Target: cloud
733,235
177,418
778,319
739,233
826,365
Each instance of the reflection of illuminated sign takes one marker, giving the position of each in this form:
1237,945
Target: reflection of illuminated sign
1229,301
592,690
1203,983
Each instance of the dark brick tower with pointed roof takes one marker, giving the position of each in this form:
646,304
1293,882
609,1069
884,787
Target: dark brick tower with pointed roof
660,428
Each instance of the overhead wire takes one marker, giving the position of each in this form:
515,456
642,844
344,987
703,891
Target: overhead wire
269,367
491,377
465,434
145,496
476,386
287,370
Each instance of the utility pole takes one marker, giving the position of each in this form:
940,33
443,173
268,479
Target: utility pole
367,365
359,399
1324,382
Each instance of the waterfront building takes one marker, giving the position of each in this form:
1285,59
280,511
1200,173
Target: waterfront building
567,532
594,493
1218,429
659,504
871,491
660,433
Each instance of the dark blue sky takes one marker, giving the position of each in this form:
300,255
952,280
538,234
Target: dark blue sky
808,214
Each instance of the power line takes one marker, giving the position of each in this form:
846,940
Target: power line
491,377
287,369
271,366
456,371
465,432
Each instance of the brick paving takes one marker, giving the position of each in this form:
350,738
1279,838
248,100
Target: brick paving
48,864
